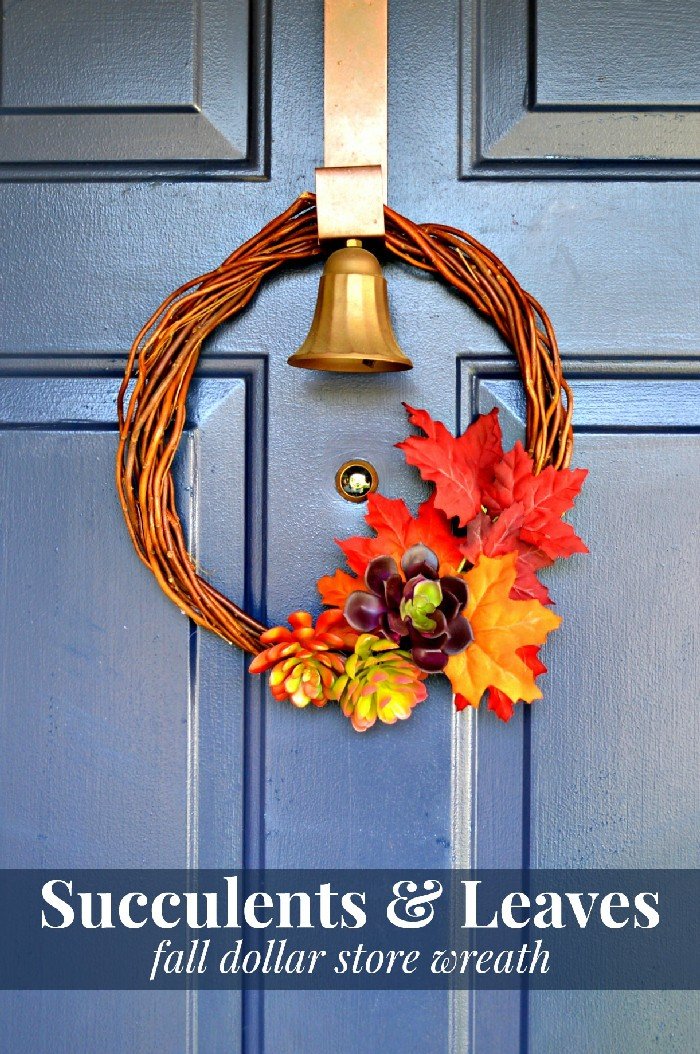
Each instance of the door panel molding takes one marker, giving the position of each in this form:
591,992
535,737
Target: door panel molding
219,132
514,127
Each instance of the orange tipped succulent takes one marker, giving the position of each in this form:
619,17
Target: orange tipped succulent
306,660
380,682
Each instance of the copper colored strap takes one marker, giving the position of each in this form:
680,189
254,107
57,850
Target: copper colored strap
351,187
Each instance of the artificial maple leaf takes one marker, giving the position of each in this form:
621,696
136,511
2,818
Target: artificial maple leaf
501,704
396,530
459,467
503,535
527,585
544,499
501,626
336,588
431,527
493,537
548,532
390,518
511,476
530,654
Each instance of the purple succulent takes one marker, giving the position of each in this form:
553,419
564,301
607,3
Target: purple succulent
414,607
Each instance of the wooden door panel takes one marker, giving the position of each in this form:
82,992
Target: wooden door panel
84,51
113,1022
340,784
617,54
124,732
80,683
113,90
122,702
606,90
603,771
356,1021
622,671
626,1021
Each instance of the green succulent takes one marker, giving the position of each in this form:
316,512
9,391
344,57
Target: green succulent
426,599
380,682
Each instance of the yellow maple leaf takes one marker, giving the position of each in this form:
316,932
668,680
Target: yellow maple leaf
500,626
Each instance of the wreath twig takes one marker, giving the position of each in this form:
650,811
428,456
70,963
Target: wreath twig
164,355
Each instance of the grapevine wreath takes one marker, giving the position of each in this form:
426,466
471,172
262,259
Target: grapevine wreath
451,590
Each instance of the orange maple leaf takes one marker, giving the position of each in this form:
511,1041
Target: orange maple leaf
501,627
336,588
497,700
431,527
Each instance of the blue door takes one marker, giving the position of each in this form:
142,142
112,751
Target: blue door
140,143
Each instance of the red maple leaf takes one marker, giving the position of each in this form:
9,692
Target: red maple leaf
390,518
511,476
530,654
459,467
544,500
503,535
493,537
500,703
431,527
549,533
527,584
396,530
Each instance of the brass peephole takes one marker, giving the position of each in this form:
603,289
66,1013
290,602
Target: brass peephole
356,479
351,331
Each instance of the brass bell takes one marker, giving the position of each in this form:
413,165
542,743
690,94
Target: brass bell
351,330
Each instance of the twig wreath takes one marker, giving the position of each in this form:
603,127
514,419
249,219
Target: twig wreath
453,589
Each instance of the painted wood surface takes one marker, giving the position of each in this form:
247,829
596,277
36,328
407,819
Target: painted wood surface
130,738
